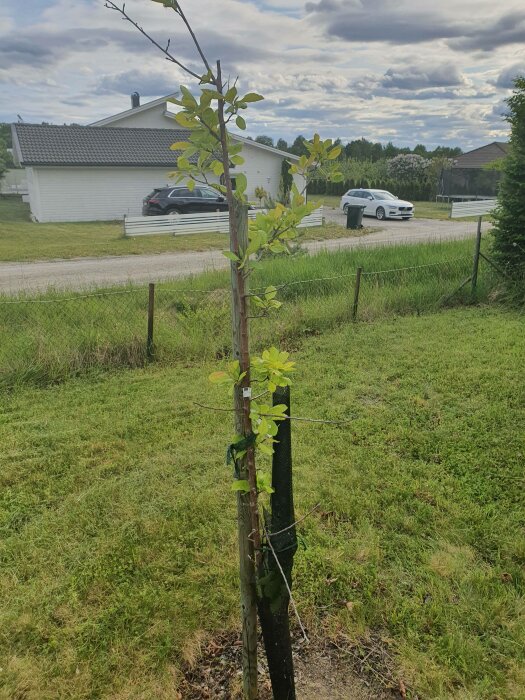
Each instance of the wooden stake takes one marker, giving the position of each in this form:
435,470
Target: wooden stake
247,539
476,258
356,292
247,504
151,313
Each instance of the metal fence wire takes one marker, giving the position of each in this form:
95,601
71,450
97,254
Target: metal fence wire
48,338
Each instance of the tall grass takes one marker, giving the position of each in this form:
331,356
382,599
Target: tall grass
48,338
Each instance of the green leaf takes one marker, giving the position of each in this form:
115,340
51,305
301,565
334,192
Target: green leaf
179,146
241,485
207,78
231,256
183,119
241,122
241,182
173,4
231,94
191,185
264,483
237,160
252,97
187,97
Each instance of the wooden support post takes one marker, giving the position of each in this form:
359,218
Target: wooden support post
476,258
247,552
356,292
151,313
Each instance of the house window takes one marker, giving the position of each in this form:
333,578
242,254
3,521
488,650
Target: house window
234,182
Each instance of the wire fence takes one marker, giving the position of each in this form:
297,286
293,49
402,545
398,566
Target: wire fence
49,338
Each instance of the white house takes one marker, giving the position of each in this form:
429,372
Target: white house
104,170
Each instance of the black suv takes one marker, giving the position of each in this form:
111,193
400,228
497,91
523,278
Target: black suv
180,200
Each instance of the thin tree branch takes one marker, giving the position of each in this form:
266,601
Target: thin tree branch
270,415
201,53
280,532
122,10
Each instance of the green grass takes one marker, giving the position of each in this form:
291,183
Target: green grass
422,210
22,240
118,535
50,338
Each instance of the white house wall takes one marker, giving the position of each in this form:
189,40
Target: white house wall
154,118
34,193
91,194
262,169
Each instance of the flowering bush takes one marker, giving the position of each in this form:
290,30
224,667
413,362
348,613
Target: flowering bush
408,167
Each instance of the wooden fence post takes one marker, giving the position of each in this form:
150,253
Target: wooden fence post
356,292
476,258
151,313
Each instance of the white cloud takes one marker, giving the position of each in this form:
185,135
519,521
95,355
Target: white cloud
77,62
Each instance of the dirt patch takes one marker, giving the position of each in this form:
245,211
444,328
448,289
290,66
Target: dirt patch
324,671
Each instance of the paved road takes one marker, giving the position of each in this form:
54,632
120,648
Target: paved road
85,273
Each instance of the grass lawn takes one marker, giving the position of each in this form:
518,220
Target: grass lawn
118,535
423,210
23,240
192,316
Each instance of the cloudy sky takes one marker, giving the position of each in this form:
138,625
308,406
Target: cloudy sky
408,71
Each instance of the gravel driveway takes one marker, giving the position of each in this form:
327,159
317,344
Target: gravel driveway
85,273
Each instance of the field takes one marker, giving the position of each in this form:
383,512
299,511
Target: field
22,240
118,536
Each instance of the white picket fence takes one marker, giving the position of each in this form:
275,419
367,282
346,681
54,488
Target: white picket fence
479,207
184,224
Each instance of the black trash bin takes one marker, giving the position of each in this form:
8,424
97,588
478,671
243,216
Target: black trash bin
354,215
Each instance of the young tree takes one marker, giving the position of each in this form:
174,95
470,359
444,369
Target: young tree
207,155
509,230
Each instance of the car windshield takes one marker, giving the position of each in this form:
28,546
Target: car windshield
383,195
209,194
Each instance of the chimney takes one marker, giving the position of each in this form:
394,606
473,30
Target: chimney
135,100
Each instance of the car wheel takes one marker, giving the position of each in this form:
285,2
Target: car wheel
380,214
174,212
345,209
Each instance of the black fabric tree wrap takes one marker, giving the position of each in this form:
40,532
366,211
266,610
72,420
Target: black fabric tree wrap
274,598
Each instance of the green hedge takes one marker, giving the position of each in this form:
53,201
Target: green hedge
404,190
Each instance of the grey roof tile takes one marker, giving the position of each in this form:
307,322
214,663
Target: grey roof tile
482,156
43,144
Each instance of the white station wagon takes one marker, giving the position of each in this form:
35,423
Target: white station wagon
379,203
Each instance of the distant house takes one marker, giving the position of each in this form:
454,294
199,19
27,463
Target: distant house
104,170
471,176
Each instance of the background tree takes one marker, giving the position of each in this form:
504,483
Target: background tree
282,145
265,140
509,230
6,158
285,184
261,194
298,147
